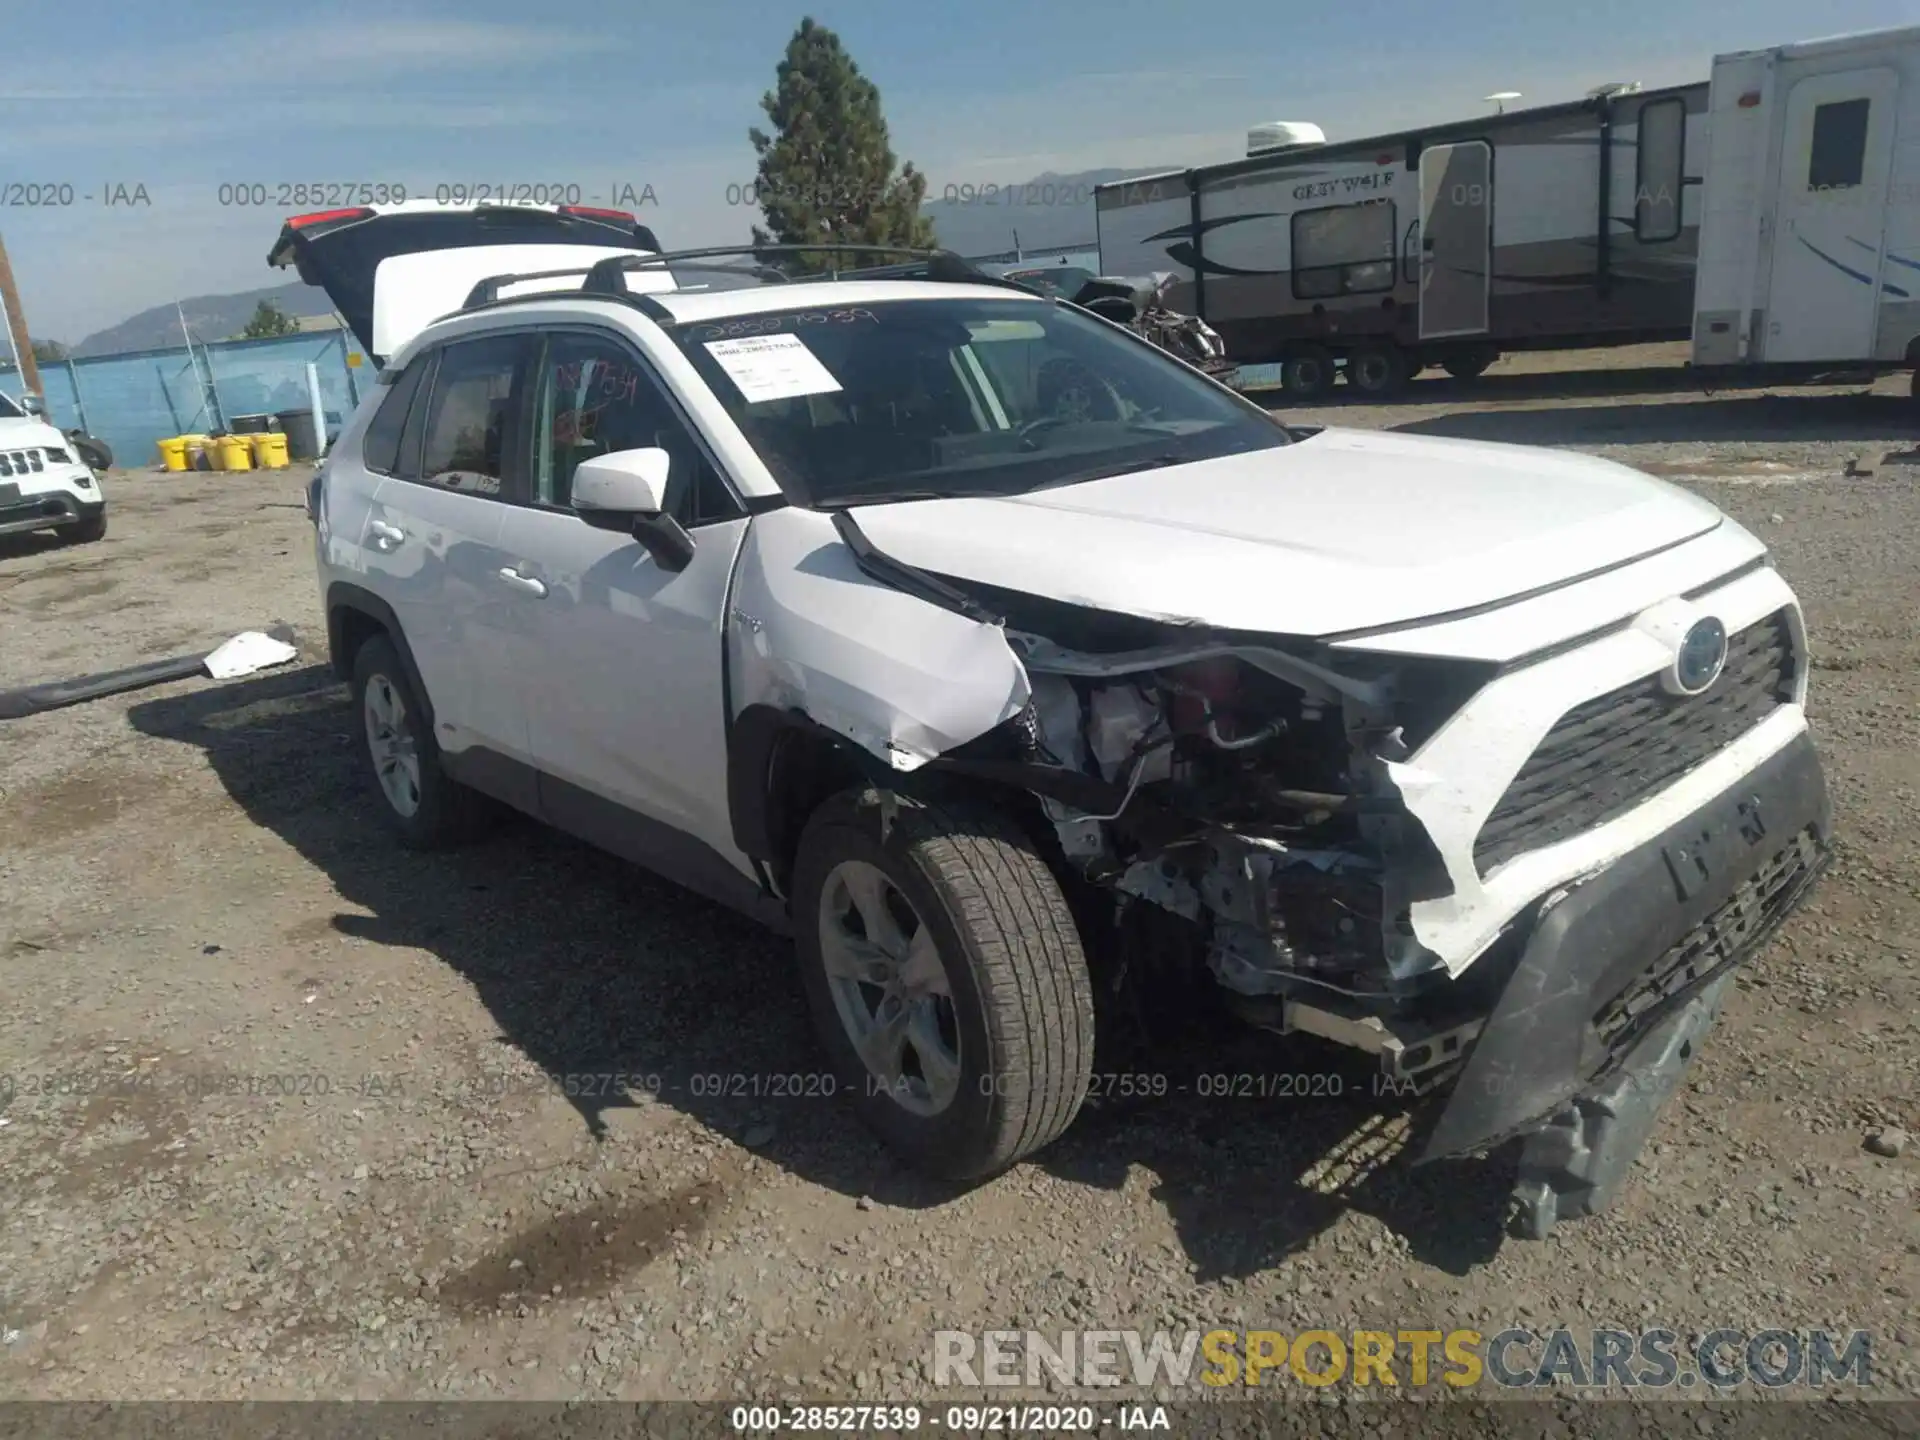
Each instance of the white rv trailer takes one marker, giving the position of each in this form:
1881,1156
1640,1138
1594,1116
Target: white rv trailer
1810,217
1771,215
1560,226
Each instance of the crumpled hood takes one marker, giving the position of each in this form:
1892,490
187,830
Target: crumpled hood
1348,530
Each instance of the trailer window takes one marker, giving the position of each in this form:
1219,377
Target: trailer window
1660,170
1839,151
1343,249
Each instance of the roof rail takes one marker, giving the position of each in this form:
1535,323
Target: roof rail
929,264
488,290
606,277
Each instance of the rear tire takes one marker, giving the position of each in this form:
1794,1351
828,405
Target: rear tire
424,807
1307,373
1377,370
88,531
972,957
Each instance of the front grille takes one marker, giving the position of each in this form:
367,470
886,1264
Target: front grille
1732,933
1606,756
21,462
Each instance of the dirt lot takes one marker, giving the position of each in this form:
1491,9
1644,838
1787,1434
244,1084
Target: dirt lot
301,1143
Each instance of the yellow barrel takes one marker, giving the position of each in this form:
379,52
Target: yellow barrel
196,450
269,449
235,453
173,452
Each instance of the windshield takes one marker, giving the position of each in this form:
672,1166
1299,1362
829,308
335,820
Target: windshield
920,399
9,410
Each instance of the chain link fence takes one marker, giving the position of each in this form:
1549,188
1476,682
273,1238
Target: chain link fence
134,400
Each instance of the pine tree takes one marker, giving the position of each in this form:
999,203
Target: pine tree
269,320
827,172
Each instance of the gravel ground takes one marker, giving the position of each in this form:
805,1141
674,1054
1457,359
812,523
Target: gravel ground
316,1143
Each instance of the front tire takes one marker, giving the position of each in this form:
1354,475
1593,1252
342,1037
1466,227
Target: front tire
946,979
88,531
424,807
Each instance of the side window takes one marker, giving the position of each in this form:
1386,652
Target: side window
1838,158
1344,250
468,417
1660,170
592,397
380,450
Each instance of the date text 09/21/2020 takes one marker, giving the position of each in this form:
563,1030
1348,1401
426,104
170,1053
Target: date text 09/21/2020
1307,1085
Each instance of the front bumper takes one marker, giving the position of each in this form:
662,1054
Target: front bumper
44,510
1584,1036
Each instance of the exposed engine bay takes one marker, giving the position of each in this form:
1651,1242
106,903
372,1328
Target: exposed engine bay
1244,789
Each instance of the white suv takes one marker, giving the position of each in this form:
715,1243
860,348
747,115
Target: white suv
1027,677
44,483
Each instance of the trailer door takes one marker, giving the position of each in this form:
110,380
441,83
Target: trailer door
1456,238
1830,216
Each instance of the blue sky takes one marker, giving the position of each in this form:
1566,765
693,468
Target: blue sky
182,97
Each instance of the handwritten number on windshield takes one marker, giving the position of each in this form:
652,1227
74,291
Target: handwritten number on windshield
769,324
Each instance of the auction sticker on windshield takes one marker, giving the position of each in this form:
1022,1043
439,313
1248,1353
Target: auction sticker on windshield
772,367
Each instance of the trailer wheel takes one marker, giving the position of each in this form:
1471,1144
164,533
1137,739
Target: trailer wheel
1377,369
1308,372
1469,364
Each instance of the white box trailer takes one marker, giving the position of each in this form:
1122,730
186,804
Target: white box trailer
1562,226
1810,217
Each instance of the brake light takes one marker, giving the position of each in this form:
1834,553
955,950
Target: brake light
300,222
596,212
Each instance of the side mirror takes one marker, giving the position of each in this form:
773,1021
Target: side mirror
626,492
33,404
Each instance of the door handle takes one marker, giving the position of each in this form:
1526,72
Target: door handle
385,535
524,583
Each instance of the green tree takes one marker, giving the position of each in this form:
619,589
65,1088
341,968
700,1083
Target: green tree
827,172
49,352
269,320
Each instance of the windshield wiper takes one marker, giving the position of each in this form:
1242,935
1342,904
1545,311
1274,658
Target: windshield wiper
1152,462
888,497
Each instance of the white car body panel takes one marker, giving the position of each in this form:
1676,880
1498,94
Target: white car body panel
1509,632
903,679
1457,778
619,662
413,290
442,582
1274,542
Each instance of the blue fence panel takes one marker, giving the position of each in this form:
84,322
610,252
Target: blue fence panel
132,401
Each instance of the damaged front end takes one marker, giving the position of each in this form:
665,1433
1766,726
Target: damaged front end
1248,803
1247,786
